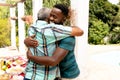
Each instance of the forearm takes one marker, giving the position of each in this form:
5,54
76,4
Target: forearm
76,31
58,55
44,60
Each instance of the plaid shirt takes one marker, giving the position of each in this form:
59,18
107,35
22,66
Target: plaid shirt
46,35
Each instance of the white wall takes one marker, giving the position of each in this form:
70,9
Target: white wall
82,14
37,5
21,27
13,29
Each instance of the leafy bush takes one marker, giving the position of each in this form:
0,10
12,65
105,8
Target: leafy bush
5,33
114,36
50,3
4,12
97,31
103,18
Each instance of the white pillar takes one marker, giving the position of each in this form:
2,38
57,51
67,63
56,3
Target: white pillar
37,5
21,27
13,29
82,14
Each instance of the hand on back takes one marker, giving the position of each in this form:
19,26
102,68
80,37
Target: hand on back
31,42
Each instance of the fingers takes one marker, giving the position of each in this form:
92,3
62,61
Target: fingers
33,43
30,42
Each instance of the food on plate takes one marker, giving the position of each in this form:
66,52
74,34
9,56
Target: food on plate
2,72
5,77
15,70
4,67
18,62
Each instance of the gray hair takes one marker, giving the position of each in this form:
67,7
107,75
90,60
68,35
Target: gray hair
43,13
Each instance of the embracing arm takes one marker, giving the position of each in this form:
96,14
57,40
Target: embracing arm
30,41
58,55
73,30
76,31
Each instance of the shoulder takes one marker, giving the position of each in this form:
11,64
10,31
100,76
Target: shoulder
67,43
69,38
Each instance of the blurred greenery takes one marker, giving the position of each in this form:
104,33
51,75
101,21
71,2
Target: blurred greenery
5,33
4,12
104,17
97,32
50,3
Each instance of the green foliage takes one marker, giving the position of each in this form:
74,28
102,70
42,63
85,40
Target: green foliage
103,10
101,20
28,7
114,39
17,41
114,36
97,32
11,1
4,11
116,21
50,3
4,33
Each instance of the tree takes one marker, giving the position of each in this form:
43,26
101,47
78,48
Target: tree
28,7
115,33
116,20
101,11
4,12
5,33
50,3
97,32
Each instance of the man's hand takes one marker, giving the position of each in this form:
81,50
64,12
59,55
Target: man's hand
31,42
27,19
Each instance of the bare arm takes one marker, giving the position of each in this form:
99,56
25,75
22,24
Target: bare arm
73,30
76,31
58,55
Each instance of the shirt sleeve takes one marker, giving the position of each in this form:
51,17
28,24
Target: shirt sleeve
31,31
67,43
56,32
62,29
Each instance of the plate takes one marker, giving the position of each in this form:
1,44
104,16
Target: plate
15,70
2,72
19,62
